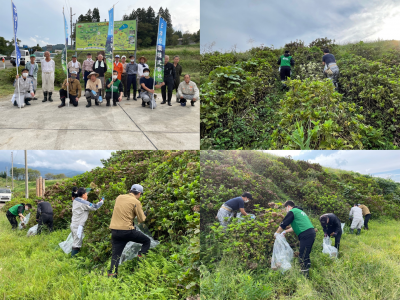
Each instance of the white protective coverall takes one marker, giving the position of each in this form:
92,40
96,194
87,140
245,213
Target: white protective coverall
358,221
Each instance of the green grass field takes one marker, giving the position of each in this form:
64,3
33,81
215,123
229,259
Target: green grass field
189,60
368,268
19,186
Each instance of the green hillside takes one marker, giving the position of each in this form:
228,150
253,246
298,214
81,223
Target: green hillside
19,186
241,257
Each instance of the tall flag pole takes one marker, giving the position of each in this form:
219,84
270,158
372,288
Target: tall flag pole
65,63
110,43
17,53
160,51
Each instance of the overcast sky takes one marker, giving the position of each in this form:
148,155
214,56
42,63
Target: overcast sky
275,22
41,21
382,163
74,160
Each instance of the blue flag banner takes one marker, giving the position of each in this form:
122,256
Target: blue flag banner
15,18
66,30
160,51
110,40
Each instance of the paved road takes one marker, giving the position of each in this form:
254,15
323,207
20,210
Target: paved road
7,64
44,126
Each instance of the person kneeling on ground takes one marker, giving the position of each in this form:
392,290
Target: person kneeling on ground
302,227
71,86
93,89
17,210
147,92
366,213
26,89
126,209
227,209
80,212
356,214
44,216
187,90
116,86
332,227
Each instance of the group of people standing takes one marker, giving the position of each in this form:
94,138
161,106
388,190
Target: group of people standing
126,76
301,225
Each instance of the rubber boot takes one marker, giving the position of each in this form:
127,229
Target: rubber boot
351,231
45,97
143,103
89,101
62,103
75,251
358,231
192,102
169,103
178,100
51,100
108,102
114,102
96,102
15,103
134,95
27,102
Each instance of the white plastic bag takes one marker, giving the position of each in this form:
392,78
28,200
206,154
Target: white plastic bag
132,249
327,247
282,254
32,231
239,215
26,220
343,225
66,246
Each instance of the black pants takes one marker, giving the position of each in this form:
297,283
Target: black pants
115,97
337,238
285,73
124,79
72,98
120,238
366,219
45,219
131,81
85,75
12,219
169,83
306,239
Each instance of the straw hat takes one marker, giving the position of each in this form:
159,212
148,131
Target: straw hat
145,59
93,73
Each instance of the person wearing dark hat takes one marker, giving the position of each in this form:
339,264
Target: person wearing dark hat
285,63
131,70
126,209
24,90
17,211
33,68
44,216
141,66
72,88
229,207
169,77
93,89
124,76
100,67
74,65
178,73
118,66
87,67
80,213
146,88
332,227
303,228
114,88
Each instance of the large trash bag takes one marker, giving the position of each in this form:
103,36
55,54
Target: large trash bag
32,231
282,254
26,220
239,215
327,247
66,246
132,249
343,225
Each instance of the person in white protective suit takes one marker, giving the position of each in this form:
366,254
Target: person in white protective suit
25,87
356,214
80,212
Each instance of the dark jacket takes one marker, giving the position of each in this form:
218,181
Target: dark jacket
169,69
178,73
99,70
44,208
334,224
291,60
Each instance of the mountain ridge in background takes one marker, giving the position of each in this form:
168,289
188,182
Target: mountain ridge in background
42,170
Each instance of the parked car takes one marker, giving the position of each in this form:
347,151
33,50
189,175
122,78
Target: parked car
39,56
5,194
24,57
52,55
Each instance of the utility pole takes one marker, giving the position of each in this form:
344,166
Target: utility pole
6,176
12,172
26,175
71,23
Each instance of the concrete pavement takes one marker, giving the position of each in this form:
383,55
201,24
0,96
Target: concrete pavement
44,126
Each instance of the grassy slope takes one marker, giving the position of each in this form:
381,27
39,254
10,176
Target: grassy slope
189,59
367,269
36,268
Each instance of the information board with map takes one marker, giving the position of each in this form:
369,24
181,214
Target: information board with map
94,35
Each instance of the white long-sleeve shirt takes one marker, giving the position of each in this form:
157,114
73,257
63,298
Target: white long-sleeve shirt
140,69
81,209
356,212
48,66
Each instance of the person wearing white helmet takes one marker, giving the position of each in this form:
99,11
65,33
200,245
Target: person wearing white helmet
126,209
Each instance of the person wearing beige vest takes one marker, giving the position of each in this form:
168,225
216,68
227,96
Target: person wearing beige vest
126,209
366,213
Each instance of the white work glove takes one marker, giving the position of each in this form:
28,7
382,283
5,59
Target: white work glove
79,232
275,234
283,232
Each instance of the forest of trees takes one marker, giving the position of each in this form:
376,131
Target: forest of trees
54,176
19,174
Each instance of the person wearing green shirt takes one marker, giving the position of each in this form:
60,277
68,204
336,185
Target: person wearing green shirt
285,63
15,211
113,87
302,227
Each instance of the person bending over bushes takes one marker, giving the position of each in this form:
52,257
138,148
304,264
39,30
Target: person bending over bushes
15,211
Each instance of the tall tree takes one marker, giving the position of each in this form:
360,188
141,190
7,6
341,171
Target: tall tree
96,15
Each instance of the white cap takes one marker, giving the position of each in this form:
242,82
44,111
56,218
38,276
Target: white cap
137,187
123,56
117,55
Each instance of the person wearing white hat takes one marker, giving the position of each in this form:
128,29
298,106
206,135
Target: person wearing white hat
93,89
126,209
